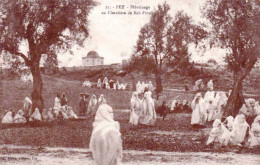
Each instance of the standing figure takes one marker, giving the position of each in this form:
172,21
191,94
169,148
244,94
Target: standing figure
92,105
101,100
99,84
150,86
220,102
148,114
105,83
57,105
82,105
27,107
210,105
105,142
111,84
63,100
135,109
210,85
198,110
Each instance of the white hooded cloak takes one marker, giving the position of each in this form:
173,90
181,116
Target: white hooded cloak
105,142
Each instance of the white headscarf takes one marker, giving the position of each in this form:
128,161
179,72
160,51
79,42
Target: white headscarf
254,138
18,118
257,108
36,115
210,84
219,133
240,127
93,101
101,99
230,121
201,103
105,141
215,132
221,98
8,118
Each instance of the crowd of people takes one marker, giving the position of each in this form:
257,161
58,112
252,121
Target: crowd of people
106,141
111,84
231,131
60,110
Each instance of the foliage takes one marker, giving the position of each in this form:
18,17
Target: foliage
235,27
235,24
43,27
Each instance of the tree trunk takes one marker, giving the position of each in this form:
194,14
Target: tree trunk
158,80
37,100
235,100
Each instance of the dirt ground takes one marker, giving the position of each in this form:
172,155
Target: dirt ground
24,155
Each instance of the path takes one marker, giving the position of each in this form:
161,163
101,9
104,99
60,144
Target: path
23,155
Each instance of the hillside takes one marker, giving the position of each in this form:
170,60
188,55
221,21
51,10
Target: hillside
13,91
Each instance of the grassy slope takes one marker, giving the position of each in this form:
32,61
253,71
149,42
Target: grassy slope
174,134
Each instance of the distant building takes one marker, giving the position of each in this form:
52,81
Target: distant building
212,62
92,59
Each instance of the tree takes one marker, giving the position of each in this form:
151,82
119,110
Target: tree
235,27
45,26
164,41
181,33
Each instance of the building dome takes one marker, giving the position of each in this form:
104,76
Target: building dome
92,54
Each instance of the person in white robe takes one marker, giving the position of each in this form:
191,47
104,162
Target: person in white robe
45,116
92,105
71,114
210,85
248,109
105,82
36,116
257,108
240,128
135,109
229,92
64,112
27,106
99,84
197,85
198,110
229,122
220,102
150,86
210,105
8,118
57,105
101,100
50,114
138,87
148,114
105,142
19,118
219,134
254,133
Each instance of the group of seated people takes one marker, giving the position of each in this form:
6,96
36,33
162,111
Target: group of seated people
235,132
111,84
60,110
211,107
88,107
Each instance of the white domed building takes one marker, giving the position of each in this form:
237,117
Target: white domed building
92,59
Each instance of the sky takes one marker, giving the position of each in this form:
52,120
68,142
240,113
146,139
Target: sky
114,36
